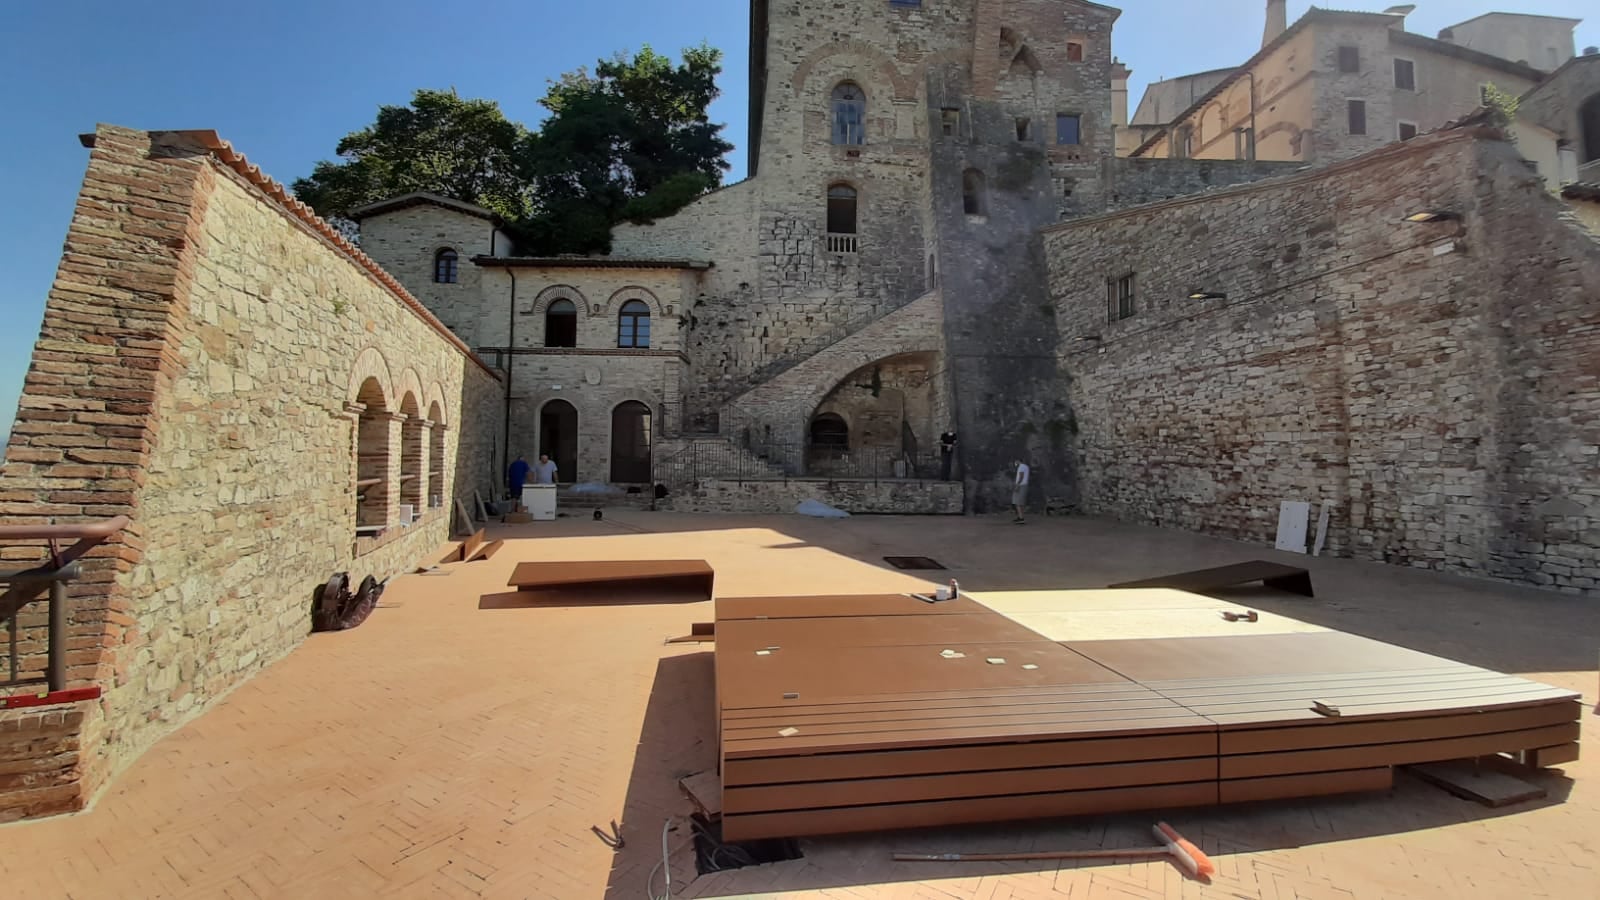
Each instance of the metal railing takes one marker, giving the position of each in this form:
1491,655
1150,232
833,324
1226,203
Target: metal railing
24,586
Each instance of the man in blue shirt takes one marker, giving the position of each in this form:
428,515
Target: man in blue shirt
517,477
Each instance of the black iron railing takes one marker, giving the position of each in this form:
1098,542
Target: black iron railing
24,586
777,461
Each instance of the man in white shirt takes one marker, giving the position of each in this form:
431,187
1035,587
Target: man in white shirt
1019,491
545,471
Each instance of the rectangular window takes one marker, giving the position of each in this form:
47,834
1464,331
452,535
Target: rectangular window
1074,51
1068,128
950,122
1244,143
1024,128
1405,75
1119,297
1407,131
1357,110
1349,59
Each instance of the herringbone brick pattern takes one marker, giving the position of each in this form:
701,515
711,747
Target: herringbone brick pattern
443,750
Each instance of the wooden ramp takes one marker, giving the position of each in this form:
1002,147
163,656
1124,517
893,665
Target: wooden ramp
674,574
841,714
1274,575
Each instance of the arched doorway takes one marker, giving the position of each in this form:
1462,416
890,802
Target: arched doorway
630,443
1589,120
558,438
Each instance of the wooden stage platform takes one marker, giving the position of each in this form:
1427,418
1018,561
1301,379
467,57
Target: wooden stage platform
875,712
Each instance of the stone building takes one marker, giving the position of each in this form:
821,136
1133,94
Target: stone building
1566,108
1543,42
1336,84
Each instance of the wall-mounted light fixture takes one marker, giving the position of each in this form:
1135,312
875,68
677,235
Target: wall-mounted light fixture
1207,295
1432,215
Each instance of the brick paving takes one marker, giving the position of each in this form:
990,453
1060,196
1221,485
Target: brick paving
448,750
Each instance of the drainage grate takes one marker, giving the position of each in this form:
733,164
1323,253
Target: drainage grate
912,562
712,855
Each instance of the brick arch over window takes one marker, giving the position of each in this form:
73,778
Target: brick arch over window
633,292
369,364
881,64
410,385
438,409
542,300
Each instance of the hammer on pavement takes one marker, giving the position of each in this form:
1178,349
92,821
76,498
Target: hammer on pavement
1185,854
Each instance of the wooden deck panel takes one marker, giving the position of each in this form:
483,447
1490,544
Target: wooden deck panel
542,575
854,721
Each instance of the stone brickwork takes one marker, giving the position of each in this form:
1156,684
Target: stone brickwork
405,240
901,497
1138,180
202,368
1435,384
1558,104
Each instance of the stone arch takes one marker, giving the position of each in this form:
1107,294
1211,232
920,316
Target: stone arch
633,292
882,64
551,294
369,364
409,387
881,411
437,410
842,365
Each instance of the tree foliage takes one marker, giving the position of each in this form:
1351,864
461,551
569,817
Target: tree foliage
631,141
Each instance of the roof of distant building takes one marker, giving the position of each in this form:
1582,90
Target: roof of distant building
1486,15
1319,15
421,198
1166,98
1561,72
586,262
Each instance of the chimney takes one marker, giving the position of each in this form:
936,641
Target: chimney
1277,20
1119,93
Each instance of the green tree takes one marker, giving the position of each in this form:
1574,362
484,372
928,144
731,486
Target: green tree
463,149
632,141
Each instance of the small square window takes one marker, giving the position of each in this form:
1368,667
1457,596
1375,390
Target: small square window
1069,128
950,122
1349,59
1074,51
1407,131
1405,75
1024,128
1357,110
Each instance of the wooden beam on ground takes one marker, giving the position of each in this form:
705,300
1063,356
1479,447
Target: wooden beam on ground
1470,780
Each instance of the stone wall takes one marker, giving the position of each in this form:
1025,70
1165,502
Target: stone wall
1557,104
1435,384
203,351
1139,180
902,497
404,241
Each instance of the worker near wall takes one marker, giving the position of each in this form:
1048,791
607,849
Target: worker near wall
545,471
516,477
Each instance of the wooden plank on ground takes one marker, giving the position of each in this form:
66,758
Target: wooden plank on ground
1397,754
1285,787
1340,732
704,790
1469,780
964,811
485,550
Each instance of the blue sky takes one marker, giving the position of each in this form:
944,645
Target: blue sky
284,80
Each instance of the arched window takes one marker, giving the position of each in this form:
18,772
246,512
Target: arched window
829,431
973,201
849,114
561,324
841,209
373,476
436,457
633,326
445,266
1589,119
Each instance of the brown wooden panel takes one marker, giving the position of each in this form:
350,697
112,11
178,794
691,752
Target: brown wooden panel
1467,698
1396,710
571,573
871,791
1283,787
729,608
877,764
749,635
1341,733
933,716
1302,685
1366,756
1104,692
1545,757
1246,654
1289,578
804,745
1130,711
958,812
824,675
1445,669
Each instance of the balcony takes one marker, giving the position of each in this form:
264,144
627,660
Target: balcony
841,243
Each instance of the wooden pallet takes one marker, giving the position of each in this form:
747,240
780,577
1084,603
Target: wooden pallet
872,712
1274,575
673,574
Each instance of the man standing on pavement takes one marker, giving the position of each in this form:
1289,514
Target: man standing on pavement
545,471
1019,491
515,478
947,453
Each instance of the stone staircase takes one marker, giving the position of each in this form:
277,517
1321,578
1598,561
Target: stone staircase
677,462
